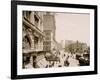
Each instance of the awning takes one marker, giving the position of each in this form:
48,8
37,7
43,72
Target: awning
52,58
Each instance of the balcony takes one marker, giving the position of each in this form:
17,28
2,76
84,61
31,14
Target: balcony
32,26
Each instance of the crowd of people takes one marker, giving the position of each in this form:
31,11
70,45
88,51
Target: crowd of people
60,59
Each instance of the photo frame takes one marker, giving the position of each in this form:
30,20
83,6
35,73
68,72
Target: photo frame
53,39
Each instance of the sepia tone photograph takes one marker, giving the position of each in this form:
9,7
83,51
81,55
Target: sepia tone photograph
55,39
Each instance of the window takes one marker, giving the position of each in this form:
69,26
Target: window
28,14
26,43
36,20
35,42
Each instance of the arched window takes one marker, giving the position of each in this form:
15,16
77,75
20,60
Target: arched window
26,42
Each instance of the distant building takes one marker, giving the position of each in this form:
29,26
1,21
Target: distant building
77,46
68,42
62,44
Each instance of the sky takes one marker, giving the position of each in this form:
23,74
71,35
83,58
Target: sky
72,26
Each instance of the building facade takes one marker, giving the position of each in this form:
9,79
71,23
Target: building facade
32,35
49,30
38,38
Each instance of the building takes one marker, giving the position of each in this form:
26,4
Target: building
62,44
49,30
38,38
33,37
